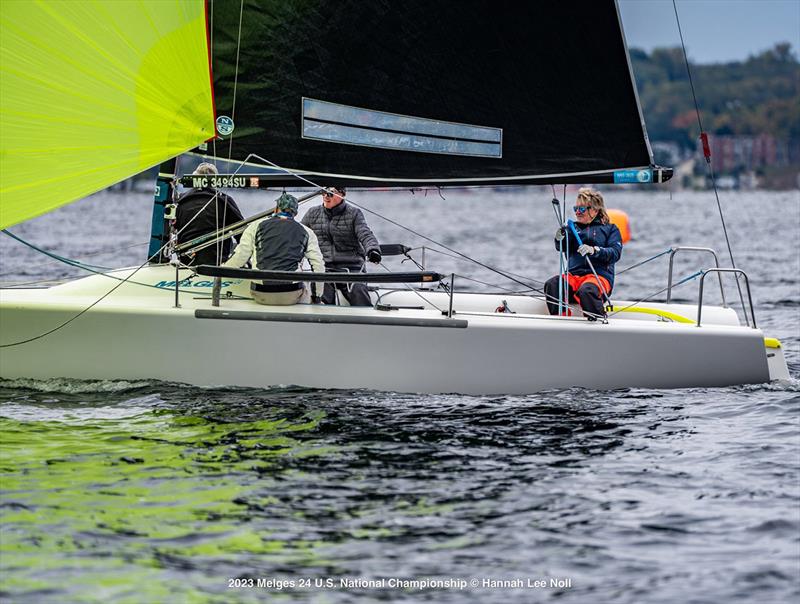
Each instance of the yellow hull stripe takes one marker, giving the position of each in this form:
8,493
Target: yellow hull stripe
659,313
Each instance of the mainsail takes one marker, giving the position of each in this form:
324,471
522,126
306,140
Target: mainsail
427,93
92,92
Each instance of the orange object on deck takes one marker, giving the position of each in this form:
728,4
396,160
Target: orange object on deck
620,218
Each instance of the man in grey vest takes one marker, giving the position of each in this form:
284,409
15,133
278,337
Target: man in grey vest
278,243
346,241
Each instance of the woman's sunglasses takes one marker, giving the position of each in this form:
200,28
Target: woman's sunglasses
581,209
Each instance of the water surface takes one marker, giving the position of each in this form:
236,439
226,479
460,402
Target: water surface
158,492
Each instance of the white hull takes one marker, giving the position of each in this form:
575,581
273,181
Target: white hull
137,333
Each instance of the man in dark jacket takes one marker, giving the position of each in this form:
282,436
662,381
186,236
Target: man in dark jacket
345,240
202,211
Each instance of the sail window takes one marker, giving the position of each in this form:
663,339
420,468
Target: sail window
335,123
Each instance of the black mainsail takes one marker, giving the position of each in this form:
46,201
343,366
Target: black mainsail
427,92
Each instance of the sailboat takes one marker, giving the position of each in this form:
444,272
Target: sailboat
415,94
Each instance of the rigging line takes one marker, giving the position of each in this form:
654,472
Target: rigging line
281,168
440,285
408,286
626,269
58,259
525,292
725,230
88,308
500,287
521,293
555,205
645,299
688,71
545,296
56,282
92,268
219,232
52,255
707,153
211,56
87,267
486,266
219,244
196,214
214,198
528,287
101,298
560,254
315,185
104,296
433,249
563,254
236,76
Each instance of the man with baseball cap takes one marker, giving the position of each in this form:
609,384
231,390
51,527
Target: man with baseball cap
346,241
278,243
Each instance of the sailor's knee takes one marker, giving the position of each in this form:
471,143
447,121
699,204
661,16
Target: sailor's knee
552,283
589,289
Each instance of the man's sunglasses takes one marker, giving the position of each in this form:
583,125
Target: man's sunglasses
581,209
331,193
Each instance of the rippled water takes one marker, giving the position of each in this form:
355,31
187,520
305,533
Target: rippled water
156,492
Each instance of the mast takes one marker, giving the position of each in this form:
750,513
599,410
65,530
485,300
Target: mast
164,195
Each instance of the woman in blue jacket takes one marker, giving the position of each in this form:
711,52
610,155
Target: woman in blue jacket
601,242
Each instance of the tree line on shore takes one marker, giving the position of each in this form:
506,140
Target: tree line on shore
760,95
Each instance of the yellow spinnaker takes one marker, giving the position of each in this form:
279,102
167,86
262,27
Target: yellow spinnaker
92,92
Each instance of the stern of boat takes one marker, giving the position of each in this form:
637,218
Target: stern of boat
776,361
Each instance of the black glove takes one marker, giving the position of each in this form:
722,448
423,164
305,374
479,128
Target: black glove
561,233
374,256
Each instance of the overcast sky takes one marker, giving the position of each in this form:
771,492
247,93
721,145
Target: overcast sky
714,30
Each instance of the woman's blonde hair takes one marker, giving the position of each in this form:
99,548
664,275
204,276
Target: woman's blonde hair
594,199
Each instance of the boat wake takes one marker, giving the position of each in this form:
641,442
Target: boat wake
790,385
75,386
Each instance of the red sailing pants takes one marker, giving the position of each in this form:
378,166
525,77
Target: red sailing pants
586,298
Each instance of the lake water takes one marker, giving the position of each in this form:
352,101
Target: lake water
157,492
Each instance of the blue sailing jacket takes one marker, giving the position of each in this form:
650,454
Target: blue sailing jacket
605,236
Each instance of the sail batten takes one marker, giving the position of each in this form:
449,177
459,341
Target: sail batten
92,93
